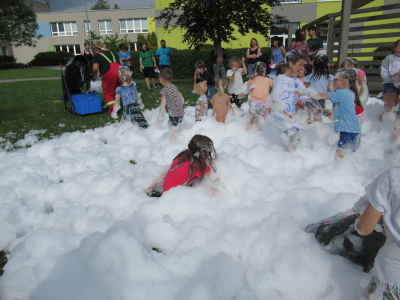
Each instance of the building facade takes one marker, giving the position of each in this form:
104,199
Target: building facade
68,30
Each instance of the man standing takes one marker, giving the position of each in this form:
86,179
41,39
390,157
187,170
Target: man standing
314,43
164,55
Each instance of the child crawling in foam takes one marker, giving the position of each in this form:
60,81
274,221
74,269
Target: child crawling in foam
284,99
188,168
132,104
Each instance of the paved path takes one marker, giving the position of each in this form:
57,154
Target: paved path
26,79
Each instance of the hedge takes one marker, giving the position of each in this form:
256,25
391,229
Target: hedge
183,61
7,62
52,58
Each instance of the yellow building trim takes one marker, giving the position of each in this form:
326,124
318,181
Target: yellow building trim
151,25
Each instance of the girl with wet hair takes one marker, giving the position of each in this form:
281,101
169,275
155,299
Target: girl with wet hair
189,167
320,81
363,91
132,104
221,102
259,87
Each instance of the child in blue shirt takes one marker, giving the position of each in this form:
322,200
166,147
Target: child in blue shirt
132,104
201,108
346,121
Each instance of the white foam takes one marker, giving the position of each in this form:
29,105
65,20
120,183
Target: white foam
78,224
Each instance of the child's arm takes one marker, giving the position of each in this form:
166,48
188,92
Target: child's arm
366,223
306,84
116,106
331,87
201,111
194,84
182,99
139,100
244,66
162,109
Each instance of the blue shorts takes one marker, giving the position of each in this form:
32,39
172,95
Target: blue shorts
210,92
390,88
349,141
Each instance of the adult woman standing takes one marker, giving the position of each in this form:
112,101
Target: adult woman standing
123,55
253,53
88,54
278,53
106,62
300,44
148,64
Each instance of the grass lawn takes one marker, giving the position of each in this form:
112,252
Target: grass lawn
29,73
37,105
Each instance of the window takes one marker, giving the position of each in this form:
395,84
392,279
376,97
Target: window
86,27
133,26
64,29
105,27
75,49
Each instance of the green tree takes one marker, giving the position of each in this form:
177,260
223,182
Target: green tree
141,39
112,42
116,6
93,36
152,41
18,23
101,4
204,20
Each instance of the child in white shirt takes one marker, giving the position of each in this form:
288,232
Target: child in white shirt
235,79
284,99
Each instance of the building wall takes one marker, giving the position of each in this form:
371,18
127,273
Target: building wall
37,6
26,54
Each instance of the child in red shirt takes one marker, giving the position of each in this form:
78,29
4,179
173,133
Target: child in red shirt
189,167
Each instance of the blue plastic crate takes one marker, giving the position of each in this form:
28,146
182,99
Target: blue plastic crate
86,103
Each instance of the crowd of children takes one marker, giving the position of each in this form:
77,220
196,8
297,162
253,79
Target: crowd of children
296,86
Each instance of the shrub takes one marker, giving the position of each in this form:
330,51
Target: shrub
52,58
7,62
182,62
380,49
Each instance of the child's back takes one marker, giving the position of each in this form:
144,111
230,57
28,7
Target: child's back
260,92
173,100
220,107
128,94
319,83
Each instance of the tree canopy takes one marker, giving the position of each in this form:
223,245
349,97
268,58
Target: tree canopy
101,4
116,6
204,20
18,23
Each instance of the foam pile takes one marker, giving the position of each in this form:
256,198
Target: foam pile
78,225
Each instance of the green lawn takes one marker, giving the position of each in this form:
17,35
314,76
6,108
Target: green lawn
29,73
37,105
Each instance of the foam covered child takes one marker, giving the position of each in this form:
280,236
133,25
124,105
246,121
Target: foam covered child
283,99
201,108
132,103
343,98
235,80
259,98
188,168
221,102
171,97
384,201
